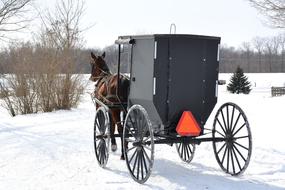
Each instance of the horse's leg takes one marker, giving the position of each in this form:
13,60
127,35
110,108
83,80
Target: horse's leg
112,130
120,130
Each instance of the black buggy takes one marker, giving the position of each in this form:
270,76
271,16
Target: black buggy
173,90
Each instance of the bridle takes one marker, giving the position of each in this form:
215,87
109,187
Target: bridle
101,75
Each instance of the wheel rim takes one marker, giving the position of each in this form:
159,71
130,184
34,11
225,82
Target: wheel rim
140,151
102,136
185,151
233,154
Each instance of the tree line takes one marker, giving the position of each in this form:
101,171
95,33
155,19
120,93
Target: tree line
261,55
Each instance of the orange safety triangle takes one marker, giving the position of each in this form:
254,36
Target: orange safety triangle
187,125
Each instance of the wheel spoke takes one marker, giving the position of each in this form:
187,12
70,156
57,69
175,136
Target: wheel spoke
228,123
233,113
98,153
144,131
145,165
241,145
130,149
136,151
221,148
226,149
220,133
239,129
101,156
146,147
182,151
129,130
224,120
239,153
228,160
179,146
189,147
103,153
142,165
146,155
187,151
97,137
98,127
139,162
233,129
129,140
232,158
221,126
237,159
136,159
241,137
145,140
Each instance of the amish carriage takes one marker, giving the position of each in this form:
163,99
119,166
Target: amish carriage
173,90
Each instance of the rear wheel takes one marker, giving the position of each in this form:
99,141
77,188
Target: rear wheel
102,136
233,154
139,153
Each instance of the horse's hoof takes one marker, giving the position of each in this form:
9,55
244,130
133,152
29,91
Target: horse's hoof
122,158
114,147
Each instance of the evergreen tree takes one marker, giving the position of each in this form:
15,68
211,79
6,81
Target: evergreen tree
239,83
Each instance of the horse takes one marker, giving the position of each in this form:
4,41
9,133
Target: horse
105,91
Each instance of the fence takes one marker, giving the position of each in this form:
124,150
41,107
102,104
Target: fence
277,91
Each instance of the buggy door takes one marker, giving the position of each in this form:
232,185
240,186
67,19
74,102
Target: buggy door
186,75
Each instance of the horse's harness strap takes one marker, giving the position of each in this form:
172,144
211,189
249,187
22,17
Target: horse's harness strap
105,79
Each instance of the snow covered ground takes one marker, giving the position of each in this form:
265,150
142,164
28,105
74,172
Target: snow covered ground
55,150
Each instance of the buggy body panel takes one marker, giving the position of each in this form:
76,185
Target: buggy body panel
174,73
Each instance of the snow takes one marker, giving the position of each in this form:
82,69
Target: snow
55,150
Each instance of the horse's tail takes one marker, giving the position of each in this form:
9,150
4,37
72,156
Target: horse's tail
125,87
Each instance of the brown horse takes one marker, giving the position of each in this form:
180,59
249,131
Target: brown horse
105,91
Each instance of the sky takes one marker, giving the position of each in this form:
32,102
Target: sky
235,21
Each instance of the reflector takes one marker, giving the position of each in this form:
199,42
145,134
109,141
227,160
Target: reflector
187,125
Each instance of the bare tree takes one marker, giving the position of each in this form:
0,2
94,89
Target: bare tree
275,40
64,23
282,49
246,49
13,16
258,44
268,50
63,31
274,10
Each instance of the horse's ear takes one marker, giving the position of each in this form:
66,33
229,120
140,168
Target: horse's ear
93,55
103,55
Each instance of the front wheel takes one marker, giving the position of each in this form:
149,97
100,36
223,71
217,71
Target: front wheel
231,124
102,136
138,135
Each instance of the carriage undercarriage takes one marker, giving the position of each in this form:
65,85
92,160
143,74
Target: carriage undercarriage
230,135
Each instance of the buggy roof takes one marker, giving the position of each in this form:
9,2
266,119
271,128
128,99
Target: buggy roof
193,36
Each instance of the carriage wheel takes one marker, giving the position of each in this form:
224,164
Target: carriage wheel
186,151
102,136
232,154
139,153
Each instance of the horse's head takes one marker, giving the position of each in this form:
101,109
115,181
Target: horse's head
99,67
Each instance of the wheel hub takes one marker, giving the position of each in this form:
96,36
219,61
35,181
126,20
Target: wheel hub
138,143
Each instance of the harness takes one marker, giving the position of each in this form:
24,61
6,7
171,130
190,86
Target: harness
104,79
